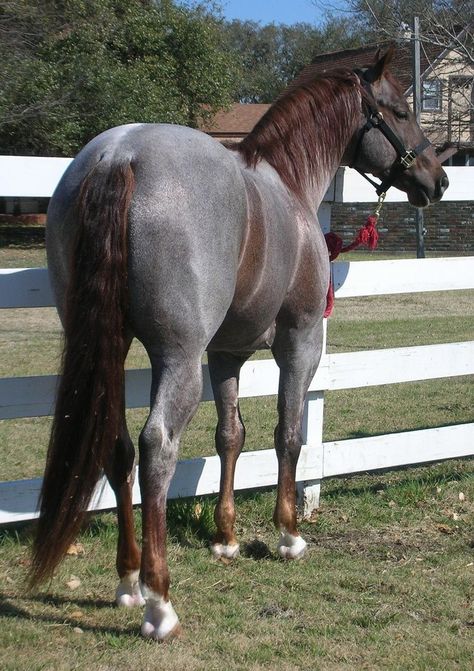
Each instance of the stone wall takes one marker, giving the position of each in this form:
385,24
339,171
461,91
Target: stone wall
449,226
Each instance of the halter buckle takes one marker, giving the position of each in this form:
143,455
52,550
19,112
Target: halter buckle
408,159
376,118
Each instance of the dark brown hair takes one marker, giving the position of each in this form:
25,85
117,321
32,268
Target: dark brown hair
305,128
89,402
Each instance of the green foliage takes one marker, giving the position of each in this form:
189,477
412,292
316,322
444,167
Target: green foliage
101,63
271,56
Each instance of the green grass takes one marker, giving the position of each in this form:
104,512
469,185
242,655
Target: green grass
387,582
22,256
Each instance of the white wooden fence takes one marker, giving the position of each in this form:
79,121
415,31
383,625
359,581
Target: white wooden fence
34,396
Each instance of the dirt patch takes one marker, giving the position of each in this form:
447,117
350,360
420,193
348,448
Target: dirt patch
387,544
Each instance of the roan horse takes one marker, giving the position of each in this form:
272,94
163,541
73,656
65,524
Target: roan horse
159,232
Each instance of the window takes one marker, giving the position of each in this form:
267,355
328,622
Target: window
431,98
460,159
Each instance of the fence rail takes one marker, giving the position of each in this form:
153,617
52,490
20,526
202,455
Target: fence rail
34,396
27,177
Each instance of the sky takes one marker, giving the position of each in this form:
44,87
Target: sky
272,11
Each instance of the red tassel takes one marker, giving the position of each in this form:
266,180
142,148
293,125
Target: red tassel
367,235
334,243
329,301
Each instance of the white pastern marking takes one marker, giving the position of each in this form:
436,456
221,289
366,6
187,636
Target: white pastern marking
160,618
128,593
220,550
291,547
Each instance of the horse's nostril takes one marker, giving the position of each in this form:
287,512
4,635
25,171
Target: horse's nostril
441,186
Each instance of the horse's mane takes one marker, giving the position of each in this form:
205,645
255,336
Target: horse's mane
305,128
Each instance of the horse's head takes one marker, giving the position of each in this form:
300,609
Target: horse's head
390,143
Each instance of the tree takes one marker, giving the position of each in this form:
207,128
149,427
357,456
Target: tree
448,24
73,68
270,56
447,44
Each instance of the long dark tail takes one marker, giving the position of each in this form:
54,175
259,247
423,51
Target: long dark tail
89,402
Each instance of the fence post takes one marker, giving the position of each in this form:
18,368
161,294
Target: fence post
308,491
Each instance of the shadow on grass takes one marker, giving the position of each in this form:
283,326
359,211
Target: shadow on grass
342,486
13,611
374,434
191,521
54,600
257,550
100,526
22,237
22,533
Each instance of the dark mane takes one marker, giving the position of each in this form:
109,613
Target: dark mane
305,129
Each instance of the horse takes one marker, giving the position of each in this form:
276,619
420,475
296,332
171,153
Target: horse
161,233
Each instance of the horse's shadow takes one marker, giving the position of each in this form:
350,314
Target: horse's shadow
258,550
13,611
55,600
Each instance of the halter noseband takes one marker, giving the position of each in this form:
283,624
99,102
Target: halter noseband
405,157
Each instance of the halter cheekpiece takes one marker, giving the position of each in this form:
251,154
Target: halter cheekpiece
405,157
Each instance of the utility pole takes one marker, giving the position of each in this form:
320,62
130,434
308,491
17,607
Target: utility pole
415,43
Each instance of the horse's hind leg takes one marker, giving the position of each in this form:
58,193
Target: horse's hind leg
224,370
176,392
120,473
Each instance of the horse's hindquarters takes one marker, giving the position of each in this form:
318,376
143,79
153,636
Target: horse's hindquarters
186,224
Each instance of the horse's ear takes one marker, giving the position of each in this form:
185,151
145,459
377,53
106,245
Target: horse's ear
381,64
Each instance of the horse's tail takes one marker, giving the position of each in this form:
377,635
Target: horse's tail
89,402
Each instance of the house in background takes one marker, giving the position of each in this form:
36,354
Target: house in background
234,124
447,105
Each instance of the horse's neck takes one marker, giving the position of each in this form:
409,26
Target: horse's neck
321,177
319,184
304,137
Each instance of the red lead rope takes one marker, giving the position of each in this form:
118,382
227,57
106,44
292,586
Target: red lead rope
367,235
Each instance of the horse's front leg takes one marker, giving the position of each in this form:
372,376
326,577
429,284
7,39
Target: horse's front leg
176,392
224,370
297,355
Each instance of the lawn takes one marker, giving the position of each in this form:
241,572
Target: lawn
386,584
388,579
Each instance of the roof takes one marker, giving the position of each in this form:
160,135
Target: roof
237,121
362,56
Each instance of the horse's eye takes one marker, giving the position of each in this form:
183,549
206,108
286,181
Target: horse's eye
401,114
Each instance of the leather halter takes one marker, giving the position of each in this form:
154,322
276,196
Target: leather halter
405,157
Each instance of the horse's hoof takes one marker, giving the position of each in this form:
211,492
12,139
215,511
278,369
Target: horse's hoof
161,622
291,547
224,551
148,632
128,593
